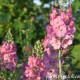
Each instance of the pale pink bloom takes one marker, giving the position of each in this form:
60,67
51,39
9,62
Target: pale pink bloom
67,40
53,73
55,43
29,72
60,31
32,61
6,58
38,78
53,14
54,11
45,42
57,22
5,47
65,17
8,47
61,24
50,72
32,71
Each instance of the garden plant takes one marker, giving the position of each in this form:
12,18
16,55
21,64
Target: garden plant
38,43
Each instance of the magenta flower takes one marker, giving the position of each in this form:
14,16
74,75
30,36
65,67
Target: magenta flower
57,22
67,40
71,27
8,55
60,34
46,45
53,14
29,72
55,43
32,61
61,31
49,29
34,70
65,17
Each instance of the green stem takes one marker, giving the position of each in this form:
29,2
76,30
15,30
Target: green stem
21,41
20,34
60,68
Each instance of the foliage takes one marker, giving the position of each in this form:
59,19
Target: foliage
27,22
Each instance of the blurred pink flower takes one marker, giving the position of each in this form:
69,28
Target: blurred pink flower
55,43
49,29
34,70
1,79
32,61
61,31
8,55
71,27
67,40
29,72
57,22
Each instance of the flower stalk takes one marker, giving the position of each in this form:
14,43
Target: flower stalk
60,67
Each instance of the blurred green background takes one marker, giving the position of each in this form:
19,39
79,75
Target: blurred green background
27,21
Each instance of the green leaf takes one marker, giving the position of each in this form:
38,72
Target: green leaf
76,52
4,18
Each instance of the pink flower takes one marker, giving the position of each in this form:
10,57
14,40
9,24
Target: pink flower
52,74
60,31
29,72
54,11
8,47
32,61
55,43
46,45
65,17
49,29
71,27
8,55
69,11
57,22
34,69
53,14
67,40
